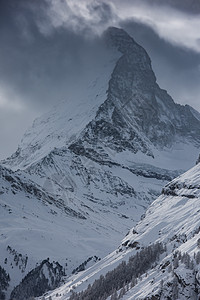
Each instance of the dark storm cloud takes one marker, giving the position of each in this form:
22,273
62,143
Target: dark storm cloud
188,6
176,21
39,63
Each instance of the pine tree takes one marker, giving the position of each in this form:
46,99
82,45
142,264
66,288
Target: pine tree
123,275
114,296
175,289
175,263
122,292
197,258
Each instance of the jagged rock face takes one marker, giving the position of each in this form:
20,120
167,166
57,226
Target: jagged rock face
132,69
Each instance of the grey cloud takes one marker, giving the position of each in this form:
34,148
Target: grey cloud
86,17
103,11
186,6
12,126
173,20
42,69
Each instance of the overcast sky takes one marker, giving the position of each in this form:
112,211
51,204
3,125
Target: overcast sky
47,44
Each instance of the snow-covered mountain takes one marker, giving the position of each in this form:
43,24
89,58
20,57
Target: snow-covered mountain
98,161
120,111
171,220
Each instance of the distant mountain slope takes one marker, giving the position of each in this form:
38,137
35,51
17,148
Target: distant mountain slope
63,225
173,220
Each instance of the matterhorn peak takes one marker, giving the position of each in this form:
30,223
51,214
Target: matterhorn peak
117,35
119,38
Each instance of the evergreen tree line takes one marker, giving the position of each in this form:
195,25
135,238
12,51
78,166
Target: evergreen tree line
19,259
82,266
4,282
122,275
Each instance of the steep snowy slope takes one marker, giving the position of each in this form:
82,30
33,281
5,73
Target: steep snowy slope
172,219
103,158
